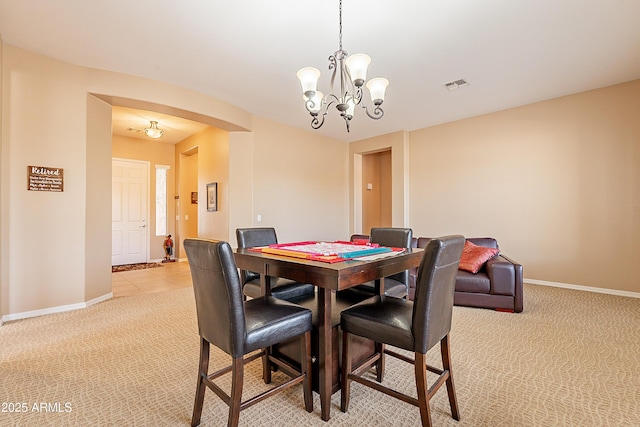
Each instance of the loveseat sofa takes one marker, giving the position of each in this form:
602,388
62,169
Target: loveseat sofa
497,284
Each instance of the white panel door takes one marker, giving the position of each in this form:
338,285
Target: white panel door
129,200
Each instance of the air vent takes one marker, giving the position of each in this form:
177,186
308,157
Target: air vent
455,84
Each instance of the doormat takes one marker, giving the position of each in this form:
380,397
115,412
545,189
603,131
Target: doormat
139,266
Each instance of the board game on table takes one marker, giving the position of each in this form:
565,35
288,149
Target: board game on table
325,251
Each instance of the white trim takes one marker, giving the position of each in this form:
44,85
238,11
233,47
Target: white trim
59,309
584,288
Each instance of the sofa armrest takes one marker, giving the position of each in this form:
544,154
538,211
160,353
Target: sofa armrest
505,276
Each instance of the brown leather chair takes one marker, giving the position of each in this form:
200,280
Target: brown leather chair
239,328
280,288
398,284
416,326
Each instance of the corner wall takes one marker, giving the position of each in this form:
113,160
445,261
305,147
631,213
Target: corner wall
97,281
3,245
44,257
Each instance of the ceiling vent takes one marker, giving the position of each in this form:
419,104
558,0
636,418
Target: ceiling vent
455,84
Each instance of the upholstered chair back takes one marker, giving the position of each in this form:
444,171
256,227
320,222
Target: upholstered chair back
435,286
251,238
218,294
396,238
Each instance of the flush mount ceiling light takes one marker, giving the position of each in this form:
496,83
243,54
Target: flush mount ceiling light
351,73
153,131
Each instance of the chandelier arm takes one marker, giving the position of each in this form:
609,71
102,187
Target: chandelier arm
310,106
317,122
377,112
357,96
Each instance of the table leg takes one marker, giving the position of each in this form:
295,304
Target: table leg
378,286
325,350
379,347
265,288
265,283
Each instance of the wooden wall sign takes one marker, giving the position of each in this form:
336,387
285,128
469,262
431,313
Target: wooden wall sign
42,178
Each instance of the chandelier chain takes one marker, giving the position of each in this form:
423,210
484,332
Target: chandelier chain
340,24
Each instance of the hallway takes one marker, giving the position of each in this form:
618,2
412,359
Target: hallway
172,275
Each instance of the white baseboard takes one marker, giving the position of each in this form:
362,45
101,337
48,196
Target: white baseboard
59,309
584,288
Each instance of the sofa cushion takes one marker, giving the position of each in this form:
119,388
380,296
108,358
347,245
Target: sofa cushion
474,256
472,283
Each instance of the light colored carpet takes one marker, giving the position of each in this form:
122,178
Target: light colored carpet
570,359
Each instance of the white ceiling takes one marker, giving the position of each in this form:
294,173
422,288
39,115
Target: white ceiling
512,52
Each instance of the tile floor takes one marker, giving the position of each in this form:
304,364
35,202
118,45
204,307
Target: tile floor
173,275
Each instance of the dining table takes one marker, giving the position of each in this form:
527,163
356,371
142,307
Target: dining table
328,278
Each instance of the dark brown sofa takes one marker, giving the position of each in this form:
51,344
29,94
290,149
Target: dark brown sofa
498,284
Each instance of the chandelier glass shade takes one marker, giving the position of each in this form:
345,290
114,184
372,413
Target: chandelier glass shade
153,131
349,74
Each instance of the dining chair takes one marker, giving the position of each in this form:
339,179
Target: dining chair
241,328
416,326
398,284
280,288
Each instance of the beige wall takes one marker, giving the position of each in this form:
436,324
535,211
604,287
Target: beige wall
299,183
205,156
48,120
3,245
188,212
156,153
43,260
213,166
557,183
97,280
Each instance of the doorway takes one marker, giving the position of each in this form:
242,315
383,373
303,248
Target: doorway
376,190
129,211
187,207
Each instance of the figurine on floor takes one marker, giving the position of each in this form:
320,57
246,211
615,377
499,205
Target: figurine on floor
168,249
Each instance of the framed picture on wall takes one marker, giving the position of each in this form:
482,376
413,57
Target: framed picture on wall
212,197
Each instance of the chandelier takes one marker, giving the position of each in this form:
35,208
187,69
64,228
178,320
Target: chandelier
153,131
351,73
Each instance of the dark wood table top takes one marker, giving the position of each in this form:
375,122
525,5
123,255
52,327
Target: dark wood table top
334,276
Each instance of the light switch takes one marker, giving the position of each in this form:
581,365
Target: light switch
259,218
186,217
369,186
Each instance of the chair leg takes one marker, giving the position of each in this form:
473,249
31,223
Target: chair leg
266,366
345,387
380,364
203,371
445,350
305,367
420,366
237,378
